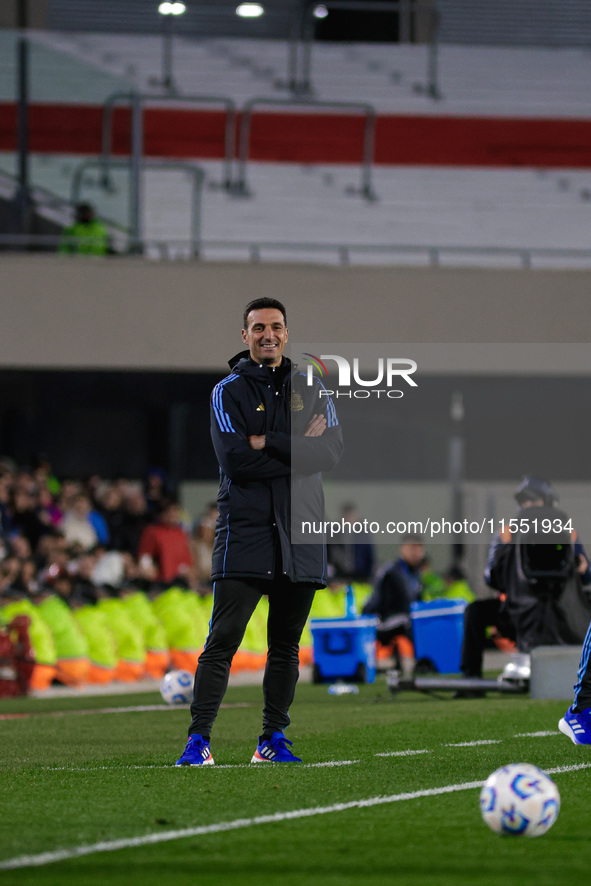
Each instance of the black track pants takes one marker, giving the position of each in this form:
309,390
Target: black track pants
478,616
234,602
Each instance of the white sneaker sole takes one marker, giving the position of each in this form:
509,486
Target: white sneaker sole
205,763
566,730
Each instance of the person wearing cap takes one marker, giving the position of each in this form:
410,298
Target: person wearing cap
495,612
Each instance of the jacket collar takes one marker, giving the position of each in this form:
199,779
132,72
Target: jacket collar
243,363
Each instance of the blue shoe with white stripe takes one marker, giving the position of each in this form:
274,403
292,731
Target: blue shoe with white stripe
274,750
577,726
197,753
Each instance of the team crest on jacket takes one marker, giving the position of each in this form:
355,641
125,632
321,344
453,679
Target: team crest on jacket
296,402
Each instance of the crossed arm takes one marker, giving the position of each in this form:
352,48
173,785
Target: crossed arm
315,428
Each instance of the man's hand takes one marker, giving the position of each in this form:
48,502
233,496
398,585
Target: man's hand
316,426
582,565
257,441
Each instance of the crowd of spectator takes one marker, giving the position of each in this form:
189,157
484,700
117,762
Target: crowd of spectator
115,579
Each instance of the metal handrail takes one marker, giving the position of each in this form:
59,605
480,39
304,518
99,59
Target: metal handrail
343,251
198,177
142,98
302,37
49,198
137,143
240,186
432,252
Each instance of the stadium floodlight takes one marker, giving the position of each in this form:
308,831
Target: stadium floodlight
320,11
168,11
172,8
250,10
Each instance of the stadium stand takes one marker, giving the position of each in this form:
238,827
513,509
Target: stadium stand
493,172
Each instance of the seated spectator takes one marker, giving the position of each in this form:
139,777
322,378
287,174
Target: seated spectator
24,515
432,583
398,584
128,634
156,490
110,506
71,647
77,526
52,551
456,585
49,512
202,547
166,546
44,476
82,570
87,236
351,554
139,608
14,602
5,518
136,518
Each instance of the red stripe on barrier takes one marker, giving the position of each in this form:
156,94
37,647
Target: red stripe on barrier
313,138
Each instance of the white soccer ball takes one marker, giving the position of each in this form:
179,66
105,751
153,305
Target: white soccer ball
519,800
177,687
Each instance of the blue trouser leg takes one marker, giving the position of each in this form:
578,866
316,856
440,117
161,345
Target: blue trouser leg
583,684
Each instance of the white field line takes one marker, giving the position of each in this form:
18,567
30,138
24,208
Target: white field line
329,763
469,744
407,753
536,734
43,858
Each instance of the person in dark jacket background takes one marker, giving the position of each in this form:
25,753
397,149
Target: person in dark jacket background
397,585
516,611
273,436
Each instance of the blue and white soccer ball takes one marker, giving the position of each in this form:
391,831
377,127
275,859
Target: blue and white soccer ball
177,687
519,800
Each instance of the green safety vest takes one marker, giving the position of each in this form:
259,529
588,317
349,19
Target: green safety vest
39,633
102,646
91,238
68,637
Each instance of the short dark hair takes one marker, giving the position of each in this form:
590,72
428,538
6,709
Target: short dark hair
412,538
259,304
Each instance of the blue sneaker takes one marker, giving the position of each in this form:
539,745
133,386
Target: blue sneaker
197,753
274,750
577,726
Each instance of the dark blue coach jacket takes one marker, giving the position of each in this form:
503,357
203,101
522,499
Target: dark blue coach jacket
253,533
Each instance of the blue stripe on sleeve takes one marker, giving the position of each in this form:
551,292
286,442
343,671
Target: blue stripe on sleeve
331,413
222,417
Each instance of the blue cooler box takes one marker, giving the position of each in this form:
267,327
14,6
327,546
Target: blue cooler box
438,631
344,649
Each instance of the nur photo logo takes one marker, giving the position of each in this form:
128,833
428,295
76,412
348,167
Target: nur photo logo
389,371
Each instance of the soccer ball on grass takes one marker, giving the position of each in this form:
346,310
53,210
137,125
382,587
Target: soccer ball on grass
177,687
519,800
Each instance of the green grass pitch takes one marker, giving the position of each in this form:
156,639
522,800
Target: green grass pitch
74,775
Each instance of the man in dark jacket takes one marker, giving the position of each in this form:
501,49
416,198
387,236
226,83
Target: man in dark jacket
528,612
397,585
273,436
